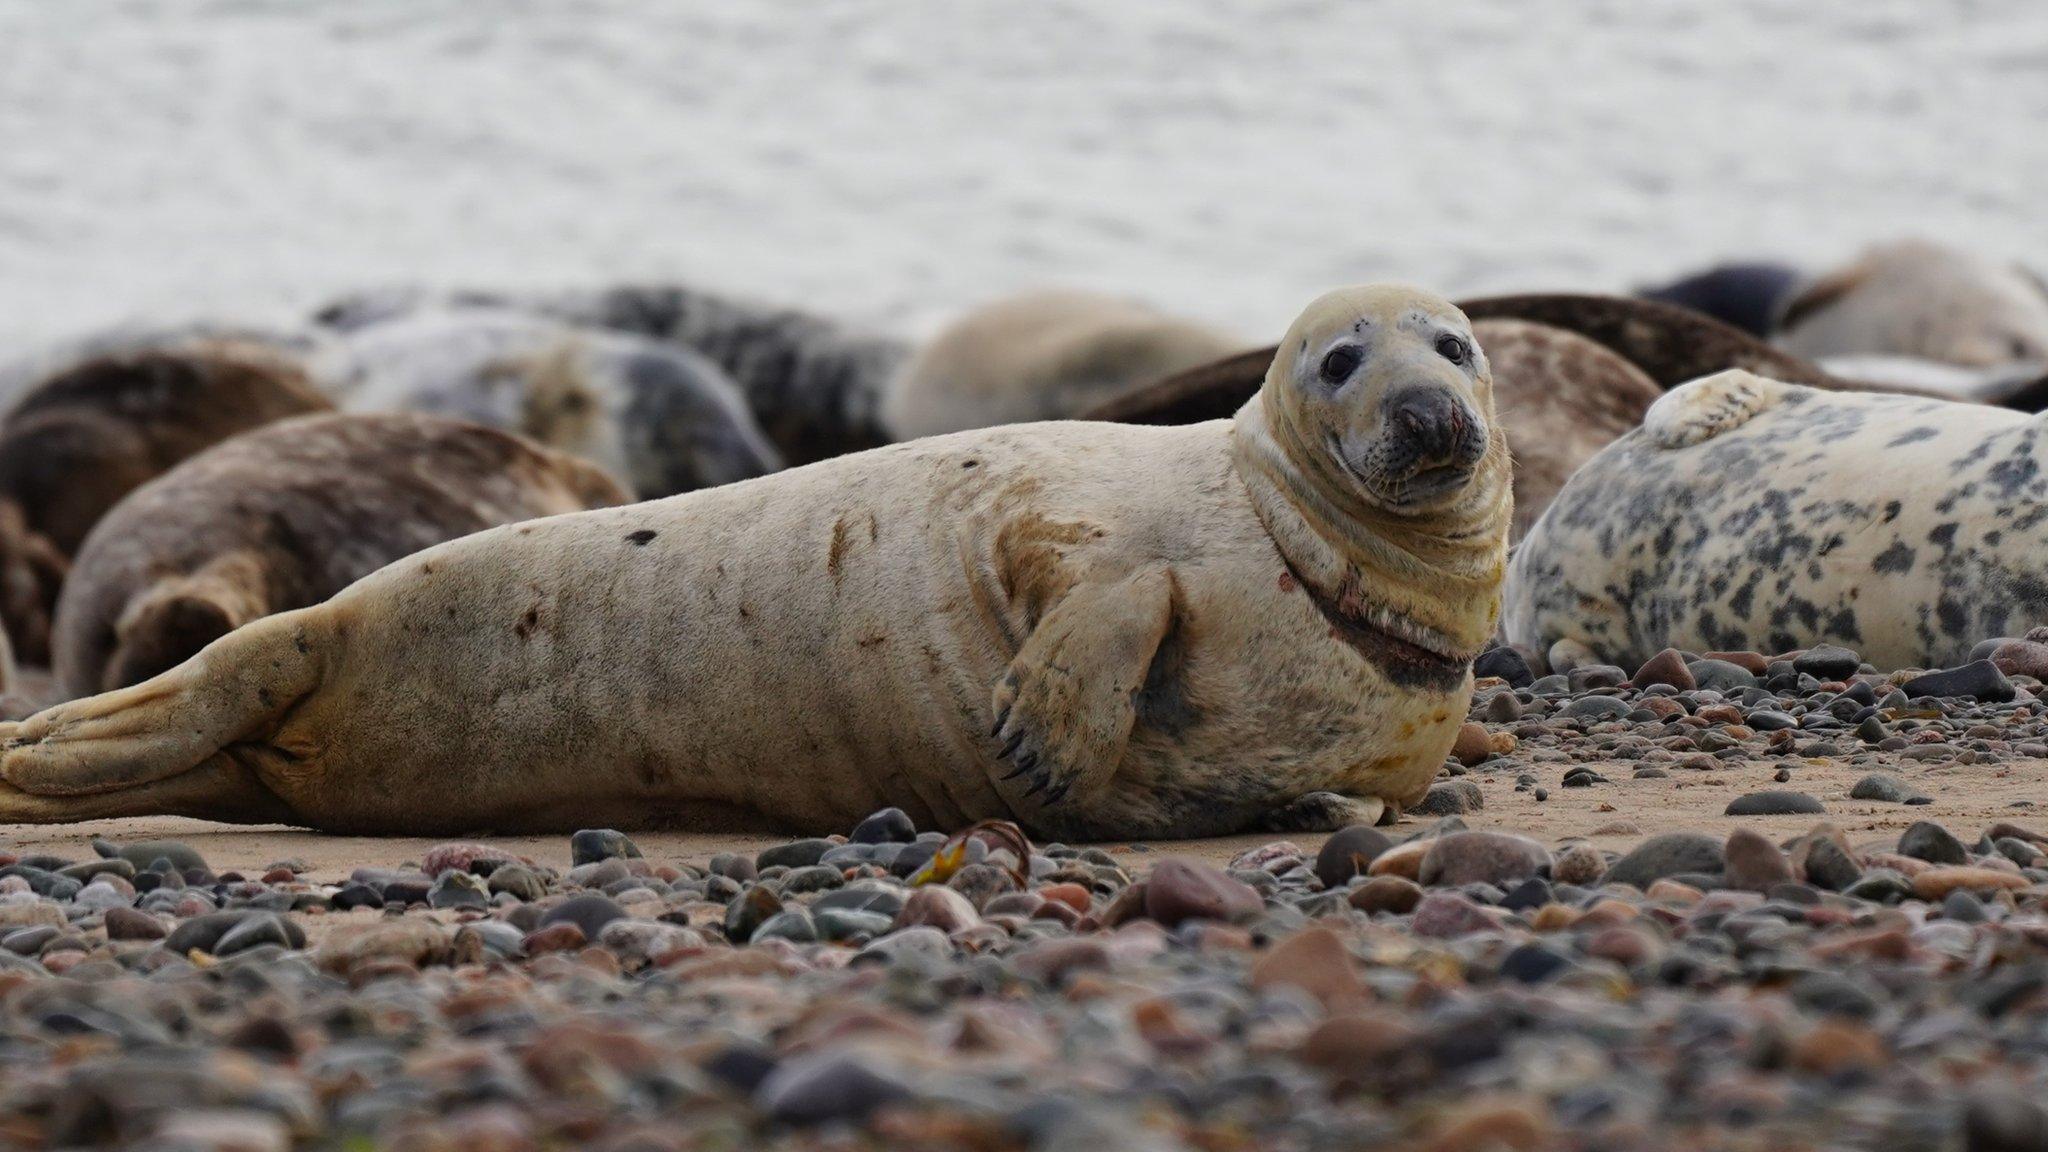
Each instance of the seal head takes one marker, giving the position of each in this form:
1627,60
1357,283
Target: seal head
1375,460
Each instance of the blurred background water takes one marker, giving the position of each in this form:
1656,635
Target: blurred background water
892,161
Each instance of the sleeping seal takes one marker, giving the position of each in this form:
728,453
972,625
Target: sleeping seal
287,516
1920,300
1752,515
1096,630
660,416
95,422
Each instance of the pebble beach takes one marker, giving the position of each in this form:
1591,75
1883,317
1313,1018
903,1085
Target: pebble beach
1722,903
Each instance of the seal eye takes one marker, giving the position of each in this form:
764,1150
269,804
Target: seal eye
1453,349
1340,363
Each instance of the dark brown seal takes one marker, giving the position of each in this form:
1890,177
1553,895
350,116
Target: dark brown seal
93,429
285,517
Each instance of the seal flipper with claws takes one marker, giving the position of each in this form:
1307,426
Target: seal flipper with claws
1065,708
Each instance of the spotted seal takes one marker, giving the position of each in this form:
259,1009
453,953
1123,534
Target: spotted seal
1096,630
1747,514
286,516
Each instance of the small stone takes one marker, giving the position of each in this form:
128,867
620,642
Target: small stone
888,826
1349,852
1580,864
825,1086
1502,708
2021,658
1774,803
457,889
1926,840
793,924
222,1130
518,881
1472,745
1826,864
1827,662
589,912
795,854
1977,681
938,907
1495,858
1315,961
1881,787
356,895
1938,882
412,941
1504,663
1396,894
131,924
1721,676
1443,915
1669,854
259,929
594,844
479,858
1753,863
143,853
1666,667
1597,708
1450,798
1180,889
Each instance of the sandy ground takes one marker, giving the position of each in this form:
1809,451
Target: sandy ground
1966,799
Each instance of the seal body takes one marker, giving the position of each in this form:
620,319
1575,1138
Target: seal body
1041,356
662,417
1746,295
287,516
93,424
1751,515
1921,300
1095,630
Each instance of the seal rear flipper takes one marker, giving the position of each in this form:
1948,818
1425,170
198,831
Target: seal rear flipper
1065,710
1699,411
239,689
171,622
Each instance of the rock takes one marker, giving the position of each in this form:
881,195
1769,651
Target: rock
1597,708
1999,1118
1179,890
1450,798
357,895
1586,677
222,1130
1774,803
519,881
1879,786
1505,663
824,1086
1721,676
1502,708
1316,961
208,933
1827,662
413,941
794,924
594,844
1977,681
795,854
1495,858
1938,882
1396,894
1443,915
1826,864
130,924
456,889
1926,840
888,826
1350,1045
256,930
1580,864
464,857
1348,852
589,912
143,853
1051,961
1472,745
1753,863
1669,854
2022,658
939,907
1666,667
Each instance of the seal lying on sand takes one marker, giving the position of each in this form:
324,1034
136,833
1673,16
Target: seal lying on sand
1100,631
1041,356
1751,515
287,516
1922,300
660,416
95,425
1746,295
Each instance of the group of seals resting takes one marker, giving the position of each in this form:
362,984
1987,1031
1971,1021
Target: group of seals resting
1099,631
1748,514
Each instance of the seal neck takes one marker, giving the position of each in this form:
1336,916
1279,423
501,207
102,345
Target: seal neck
1441,569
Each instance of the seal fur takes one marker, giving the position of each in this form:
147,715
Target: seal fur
1096,630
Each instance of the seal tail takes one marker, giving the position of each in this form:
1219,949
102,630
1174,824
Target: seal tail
137,739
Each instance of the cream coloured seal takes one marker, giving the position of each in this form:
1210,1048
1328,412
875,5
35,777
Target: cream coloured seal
1097,630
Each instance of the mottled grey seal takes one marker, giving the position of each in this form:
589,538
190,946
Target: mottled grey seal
1096,630
286,516
1752,515
93,423
659,416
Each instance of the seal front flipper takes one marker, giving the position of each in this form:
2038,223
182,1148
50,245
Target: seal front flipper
1696,412
1065,708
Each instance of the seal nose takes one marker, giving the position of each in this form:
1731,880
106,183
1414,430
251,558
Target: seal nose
1431,424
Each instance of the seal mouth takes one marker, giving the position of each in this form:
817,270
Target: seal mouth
1408,493
1407,652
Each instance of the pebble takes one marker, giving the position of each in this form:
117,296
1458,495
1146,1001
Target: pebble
1668,668
1883,787
888,826
1450,798
1721,675
1496,858
1349,852
1926,840
1774,803
826,1086
1752,863
589,912
1980,680
592,845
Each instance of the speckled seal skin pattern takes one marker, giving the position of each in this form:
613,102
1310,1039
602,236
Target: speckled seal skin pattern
1099,631
1752,515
